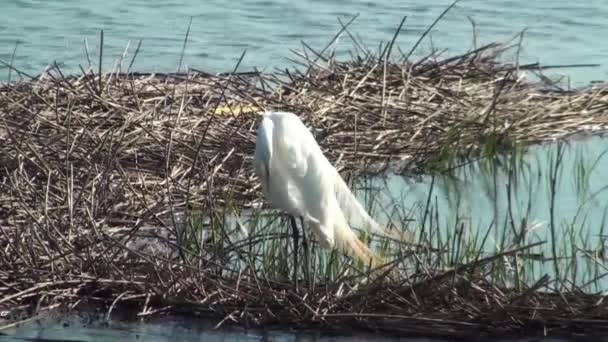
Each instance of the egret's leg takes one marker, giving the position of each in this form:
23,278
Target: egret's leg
296,236
306,252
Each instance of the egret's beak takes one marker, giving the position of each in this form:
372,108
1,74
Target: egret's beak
267,173
235,109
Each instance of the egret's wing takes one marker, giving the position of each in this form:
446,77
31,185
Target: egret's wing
293,139
263,150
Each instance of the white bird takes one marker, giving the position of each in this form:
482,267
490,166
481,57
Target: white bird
297,178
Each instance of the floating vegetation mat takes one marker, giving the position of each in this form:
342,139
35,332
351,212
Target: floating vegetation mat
89,162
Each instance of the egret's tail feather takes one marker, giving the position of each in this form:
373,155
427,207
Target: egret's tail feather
349,241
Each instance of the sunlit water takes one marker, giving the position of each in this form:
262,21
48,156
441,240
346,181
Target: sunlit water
558,32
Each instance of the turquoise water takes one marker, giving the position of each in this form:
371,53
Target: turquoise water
481,194
558,32
476,197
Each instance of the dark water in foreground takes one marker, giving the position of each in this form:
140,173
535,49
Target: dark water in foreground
71,328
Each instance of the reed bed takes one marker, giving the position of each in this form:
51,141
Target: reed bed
411,115
91,162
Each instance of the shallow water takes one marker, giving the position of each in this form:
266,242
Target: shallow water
558,32
476,197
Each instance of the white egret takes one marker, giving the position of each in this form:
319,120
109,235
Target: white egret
297,178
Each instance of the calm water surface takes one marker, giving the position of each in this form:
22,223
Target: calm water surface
476,198
558,32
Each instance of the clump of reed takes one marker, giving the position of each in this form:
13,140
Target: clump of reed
94,164
412,114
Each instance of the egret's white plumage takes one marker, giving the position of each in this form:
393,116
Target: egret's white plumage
297,178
